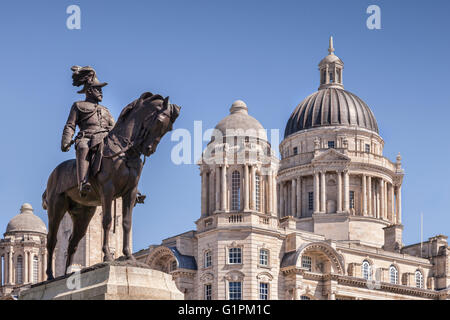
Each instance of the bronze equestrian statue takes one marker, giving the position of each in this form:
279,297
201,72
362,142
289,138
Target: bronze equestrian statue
115,170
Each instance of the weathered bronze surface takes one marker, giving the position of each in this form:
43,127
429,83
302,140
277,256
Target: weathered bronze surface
108,161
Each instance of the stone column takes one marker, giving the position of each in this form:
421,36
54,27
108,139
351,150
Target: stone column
269,193
224,188
369,193
204,193
278,202
1,272
253,187
246,189
392,206
5,271
211,194
275,195
382,204
364,195
399,204
323,192
10,267
293,197
44,265
217,189
287,197
386,200
316,193
346,192
299,196
25,267
339,191
281,200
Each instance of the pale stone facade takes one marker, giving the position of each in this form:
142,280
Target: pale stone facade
322,223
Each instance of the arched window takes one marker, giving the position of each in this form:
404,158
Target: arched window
366,270
419,279
19,270
236,191
393,275
35,269
258,192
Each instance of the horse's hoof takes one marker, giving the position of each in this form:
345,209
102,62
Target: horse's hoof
107,258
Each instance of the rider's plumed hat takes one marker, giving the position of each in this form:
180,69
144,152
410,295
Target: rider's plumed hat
85,76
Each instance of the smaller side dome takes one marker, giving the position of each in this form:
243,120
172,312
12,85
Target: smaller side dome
240,120
26,221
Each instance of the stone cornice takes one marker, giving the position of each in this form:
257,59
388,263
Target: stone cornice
362,283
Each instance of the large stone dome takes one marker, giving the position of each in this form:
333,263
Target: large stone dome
26,221
239,119
331,107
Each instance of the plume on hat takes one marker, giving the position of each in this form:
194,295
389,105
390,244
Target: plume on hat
82,75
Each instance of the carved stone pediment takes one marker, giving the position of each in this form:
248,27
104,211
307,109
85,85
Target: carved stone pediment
330,156
207,277
234,275
264,276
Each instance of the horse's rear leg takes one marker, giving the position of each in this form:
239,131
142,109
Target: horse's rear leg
57,207
81,217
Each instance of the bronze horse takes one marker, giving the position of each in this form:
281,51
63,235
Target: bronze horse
140,127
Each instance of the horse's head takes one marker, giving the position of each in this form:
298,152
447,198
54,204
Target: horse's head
158,121
145,121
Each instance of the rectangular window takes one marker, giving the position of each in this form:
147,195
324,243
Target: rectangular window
234,256
208,291
235,290
311,200
352,199
307,263
264,257
367,148
331,144
208,259
295,151
263,291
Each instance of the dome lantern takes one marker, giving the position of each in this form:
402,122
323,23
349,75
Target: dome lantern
331,68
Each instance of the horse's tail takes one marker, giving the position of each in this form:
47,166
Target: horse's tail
44,200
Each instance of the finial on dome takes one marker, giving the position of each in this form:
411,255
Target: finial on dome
239,106
26,208
331,48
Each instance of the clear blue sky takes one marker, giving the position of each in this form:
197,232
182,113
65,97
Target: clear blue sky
205,55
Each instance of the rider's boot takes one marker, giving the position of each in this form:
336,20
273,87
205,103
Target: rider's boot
83,171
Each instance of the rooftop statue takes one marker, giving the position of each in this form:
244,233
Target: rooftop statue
108,162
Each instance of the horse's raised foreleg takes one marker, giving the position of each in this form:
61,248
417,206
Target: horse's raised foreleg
127,212
57,207
107,198
81,217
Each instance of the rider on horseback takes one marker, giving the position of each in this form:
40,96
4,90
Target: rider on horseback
93,120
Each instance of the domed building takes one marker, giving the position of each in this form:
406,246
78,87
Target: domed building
324,222
23,252
333,176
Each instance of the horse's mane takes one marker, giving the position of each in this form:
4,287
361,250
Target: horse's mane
130,106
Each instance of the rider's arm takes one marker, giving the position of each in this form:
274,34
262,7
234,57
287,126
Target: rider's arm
69,128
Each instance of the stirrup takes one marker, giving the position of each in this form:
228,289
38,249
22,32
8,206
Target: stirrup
85,188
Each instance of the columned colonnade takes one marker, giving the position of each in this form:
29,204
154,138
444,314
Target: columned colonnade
378,198
9,266
217,189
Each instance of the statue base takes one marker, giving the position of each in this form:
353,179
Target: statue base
118,280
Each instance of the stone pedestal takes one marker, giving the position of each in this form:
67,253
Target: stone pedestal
108,281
